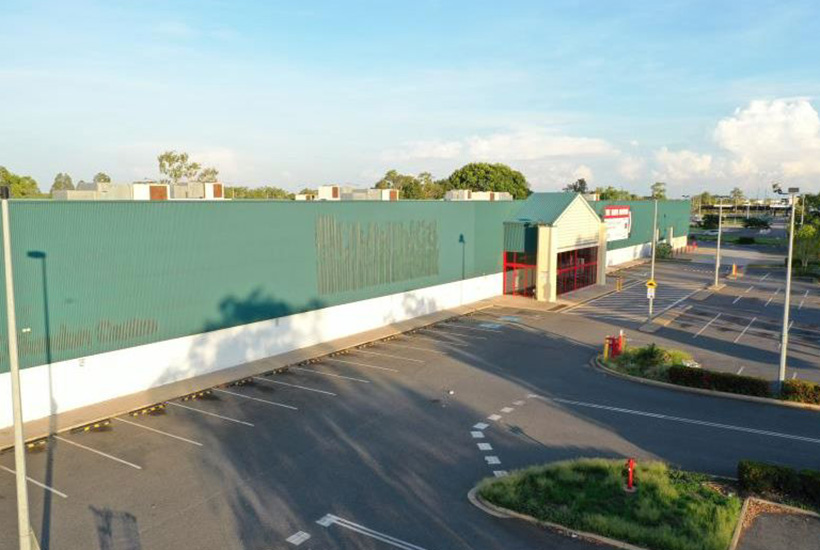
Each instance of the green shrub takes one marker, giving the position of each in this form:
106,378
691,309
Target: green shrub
745,240
801,391
719,381
756,223
663,250
780,482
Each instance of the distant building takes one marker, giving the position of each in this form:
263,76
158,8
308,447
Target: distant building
468,195
348,193
141,191
305,196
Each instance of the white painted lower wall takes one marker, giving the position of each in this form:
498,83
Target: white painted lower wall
77,383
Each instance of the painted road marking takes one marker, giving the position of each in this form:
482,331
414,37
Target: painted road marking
490,325
448,342
507,410
803,300
518,403
428,350
739,336
738,298
494,417
37,483
228,418
481,426
515,319
269,381
485,447
748,289
766,276
682,420
274,403
740,370
166,434
298,538
794,375
445,331
769,301
500,473
477,435
391,355
358,364
95,451
331,375
465,327
715,318
492,460
330,519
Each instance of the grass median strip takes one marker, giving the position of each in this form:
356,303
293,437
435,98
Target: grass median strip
671,509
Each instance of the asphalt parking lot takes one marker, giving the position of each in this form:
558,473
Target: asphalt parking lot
377,448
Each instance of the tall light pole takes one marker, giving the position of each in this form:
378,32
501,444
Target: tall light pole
27,539
784,339
717,251
654,246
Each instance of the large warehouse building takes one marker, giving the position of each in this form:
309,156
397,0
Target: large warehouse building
114,298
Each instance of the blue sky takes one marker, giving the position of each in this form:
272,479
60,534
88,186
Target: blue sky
697,94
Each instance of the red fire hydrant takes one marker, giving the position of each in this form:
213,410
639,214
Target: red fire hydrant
630,479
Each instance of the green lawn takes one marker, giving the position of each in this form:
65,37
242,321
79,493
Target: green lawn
672,509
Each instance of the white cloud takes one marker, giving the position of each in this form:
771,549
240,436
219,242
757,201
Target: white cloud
534,144
434,149
772,137
631,167
681,165
583,171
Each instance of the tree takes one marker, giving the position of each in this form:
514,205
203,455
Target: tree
580,186
308,191
659,190
705,198
807,243
610,193
62,182
412,187
102,177
177,166
20,187
481,176
242,192
737,196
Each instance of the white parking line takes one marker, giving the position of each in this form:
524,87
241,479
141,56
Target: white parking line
739,336
391,355
37,483
484,447
95,451
740,370
794,375
507,410
494,417
737,299
358,364
448,329
228,418
298,538
274,403
330,519
776,291
706,325
416,348
465,327
500,473
683,420
300,369
166,434
269,381
449,342
766,276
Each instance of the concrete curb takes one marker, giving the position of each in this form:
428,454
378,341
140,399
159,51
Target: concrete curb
739,527
504,513
595,362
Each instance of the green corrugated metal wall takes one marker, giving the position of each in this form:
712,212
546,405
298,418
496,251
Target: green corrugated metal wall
100,276
673,214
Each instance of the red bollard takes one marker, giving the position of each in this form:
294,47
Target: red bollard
630,468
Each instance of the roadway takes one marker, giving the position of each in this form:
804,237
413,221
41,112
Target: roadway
379,447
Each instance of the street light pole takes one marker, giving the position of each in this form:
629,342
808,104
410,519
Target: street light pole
784,341
27,538
717,252
654,246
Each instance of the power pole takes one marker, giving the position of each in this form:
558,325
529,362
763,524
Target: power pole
654,245
784,340
27,539
717,252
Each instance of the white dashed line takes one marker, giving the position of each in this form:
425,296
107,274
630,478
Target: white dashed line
477,435
492,460
485,447
494,417
481,426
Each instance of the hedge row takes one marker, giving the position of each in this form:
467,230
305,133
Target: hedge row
780,482
801,391
719,381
